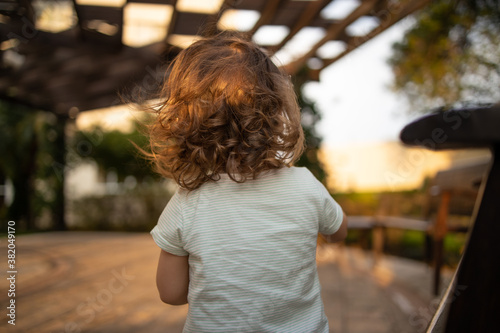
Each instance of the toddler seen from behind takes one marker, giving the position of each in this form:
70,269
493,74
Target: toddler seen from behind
238,238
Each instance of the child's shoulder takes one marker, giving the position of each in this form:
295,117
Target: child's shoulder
303,177
299,178
302,173
291,176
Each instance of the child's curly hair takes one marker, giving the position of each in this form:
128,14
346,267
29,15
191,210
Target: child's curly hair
225,108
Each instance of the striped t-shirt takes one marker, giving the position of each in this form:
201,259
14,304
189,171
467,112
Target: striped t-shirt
252,251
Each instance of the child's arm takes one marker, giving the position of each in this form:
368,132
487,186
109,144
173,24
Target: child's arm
340,235
172,278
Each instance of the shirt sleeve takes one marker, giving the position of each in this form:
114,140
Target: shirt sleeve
332,216
167,234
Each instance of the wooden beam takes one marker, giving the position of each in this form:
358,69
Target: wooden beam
378,244
334,30
173,19
305,19
79,20
388,17
267,14
213,19
110,15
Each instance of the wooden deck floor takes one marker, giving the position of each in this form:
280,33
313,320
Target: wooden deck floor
104,282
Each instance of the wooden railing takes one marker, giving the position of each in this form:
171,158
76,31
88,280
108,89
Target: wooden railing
377,226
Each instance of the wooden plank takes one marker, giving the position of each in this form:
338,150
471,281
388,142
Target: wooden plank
388,17
173,20
187,23
311,11
334,30
402,223
267,14
158,2
360,222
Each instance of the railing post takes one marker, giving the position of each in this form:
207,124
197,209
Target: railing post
440,229
377,243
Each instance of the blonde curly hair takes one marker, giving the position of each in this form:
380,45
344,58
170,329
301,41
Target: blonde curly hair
225,108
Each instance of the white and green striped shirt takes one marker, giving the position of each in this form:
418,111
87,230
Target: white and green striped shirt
252,251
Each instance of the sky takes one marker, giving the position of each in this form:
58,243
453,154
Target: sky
354,95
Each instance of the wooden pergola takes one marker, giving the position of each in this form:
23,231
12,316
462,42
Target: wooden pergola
82,68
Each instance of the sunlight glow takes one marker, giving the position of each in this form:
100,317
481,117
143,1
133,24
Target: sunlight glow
144,24
182,41
314,63
102,27
339,9
270,34
54,16
304,40
199,6
235,19
282,57
104,3
331,49
362,26
9,44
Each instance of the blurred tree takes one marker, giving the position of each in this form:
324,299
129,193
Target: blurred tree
18,148
26,150
310,117
450,55
114,151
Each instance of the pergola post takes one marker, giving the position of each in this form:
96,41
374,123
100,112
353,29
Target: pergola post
58,165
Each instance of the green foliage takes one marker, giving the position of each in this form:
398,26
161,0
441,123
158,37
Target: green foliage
310,117
114,150
406,243
454,244
25,145
136,209
450,56
358,203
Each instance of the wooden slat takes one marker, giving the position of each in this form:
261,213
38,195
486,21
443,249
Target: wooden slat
257,5
402,223
331,34
173,20
312,10
267,14
396,222
388,19
110,15
288,13
158,2
360,222
190,23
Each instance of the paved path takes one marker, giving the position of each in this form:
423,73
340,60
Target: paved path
104,282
